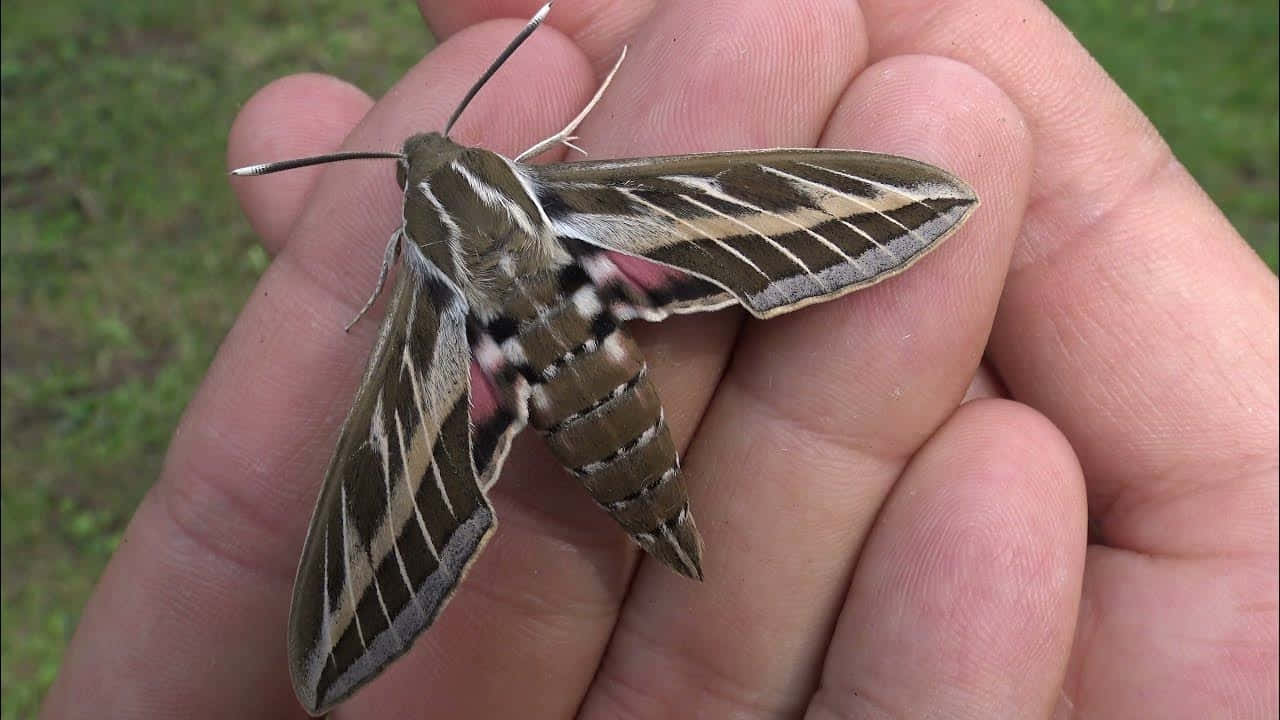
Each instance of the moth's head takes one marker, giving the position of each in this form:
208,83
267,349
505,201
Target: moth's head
423,155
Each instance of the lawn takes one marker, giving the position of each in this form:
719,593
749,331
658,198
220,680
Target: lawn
125,258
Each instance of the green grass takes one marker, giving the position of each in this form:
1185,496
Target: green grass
125,259
1205,72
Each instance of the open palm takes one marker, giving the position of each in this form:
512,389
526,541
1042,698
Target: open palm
1034,476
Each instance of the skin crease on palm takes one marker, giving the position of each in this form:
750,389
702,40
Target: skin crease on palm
1035,476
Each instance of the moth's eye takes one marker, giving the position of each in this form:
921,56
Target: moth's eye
402,174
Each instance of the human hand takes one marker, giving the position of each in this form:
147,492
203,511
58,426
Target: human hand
873,545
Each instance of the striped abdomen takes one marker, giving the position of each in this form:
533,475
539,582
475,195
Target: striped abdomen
593,401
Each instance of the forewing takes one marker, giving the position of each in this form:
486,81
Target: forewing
777,229
401,513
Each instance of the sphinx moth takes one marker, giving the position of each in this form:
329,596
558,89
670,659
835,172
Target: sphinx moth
531,271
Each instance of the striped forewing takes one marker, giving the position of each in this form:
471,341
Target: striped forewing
778,229
401,512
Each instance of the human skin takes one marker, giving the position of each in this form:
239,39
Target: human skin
1035,476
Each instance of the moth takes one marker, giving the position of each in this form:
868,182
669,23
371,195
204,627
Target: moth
531,270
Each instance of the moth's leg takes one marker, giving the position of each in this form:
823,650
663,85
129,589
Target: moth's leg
566,135
389,256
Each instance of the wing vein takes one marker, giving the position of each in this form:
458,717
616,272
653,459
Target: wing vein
726,197
700,231
346,567
789,255
856,201
413,495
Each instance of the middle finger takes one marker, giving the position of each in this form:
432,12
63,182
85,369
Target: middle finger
817,416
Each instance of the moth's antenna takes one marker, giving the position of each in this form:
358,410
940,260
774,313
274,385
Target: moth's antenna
271,167
566,135
534,22
267,168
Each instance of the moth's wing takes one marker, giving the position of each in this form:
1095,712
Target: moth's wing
637,288
401,513
776,229
498,410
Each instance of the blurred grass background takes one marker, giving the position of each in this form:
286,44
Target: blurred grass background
125,258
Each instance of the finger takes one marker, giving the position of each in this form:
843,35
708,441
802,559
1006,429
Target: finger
598,27
1145,329
189,618
586,537
720,76
966,593
1134,316
293,117
818,415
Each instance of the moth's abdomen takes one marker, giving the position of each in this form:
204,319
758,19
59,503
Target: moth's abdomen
602,418
599,412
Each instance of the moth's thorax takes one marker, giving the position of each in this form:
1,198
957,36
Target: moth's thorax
473,214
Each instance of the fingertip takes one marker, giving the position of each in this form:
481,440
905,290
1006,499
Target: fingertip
597,27
295,116
1002,465
1012,453
947,113
928,107
967,591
